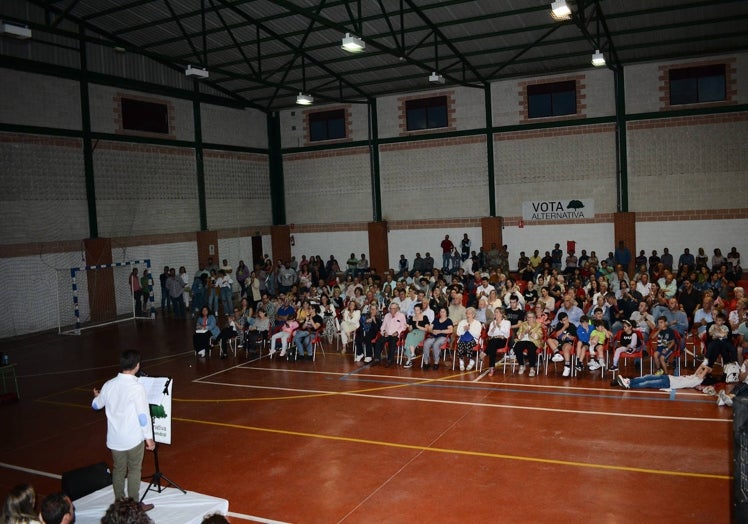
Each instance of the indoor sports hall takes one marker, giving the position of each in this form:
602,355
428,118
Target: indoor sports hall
523,140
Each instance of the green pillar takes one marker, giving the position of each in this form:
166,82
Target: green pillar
199,160
376,189
489,152
622,182
88,167
275,165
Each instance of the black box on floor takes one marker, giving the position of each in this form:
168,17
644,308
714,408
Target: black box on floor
82,481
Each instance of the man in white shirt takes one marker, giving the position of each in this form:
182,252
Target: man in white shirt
484,289
129,430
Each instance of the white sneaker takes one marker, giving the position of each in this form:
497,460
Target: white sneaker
368,359
557,357
567,371
358,358
521,370
724,399
471,364
623,382
272,352
532,372
283,353
594,365
462,365
201,353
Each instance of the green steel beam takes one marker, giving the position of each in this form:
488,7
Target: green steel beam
376,182
88,165
489,152
622,175
275,168
199,159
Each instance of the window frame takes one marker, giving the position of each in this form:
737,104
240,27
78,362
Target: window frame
697,74
549,89
129,107
425,105
326,117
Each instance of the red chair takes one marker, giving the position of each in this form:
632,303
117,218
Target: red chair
626,356
317,343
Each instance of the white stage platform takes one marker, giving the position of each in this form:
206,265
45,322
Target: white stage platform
171,506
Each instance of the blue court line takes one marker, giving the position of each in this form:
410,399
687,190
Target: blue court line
524,391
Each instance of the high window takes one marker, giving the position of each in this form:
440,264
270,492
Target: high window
327,125
552,99
426,113
692,85
150,117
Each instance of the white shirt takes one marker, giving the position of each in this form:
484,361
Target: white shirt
127,412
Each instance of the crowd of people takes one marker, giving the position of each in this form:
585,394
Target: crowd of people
57,508
581,311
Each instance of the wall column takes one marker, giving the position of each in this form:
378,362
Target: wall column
101,297
491,229
625,229
379,249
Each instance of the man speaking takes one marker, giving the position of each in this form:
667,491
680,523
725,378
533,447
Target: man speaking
129,429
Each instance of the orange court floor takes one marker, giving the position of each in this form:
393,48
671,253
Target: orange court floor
338,441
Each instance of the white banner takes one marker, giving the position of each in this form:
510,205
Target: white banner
570,209
158,391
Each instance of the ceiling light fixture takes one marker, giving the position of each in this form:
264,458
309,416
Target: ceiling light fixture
194,71
15,31
436,78
304,99
598,59
352,44
560,10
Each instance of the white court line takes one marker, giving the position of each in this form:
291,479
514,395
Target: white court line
254,518
34,471
472,404
433,380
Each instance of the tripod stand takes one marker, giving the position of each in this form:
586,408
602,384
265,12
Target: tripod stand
155,483
157,477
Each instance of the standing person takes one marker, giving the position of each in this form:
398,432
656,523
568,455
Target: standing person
254,289
175,289
623,256
242,274
145,289
447,247
163,277
137,293
465,247
186,287
129,430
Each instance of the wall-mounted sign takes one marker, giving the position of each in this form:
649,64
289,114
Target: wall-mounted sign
570,209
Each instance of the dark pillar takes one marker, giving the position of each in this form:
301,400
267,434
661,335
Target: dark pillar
491,230
101,297
280,237
206,239
379,251
625,229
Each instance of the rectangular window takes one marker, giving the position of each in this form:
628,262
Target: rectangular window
691,85
552,99
327,125
426,113
151,117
